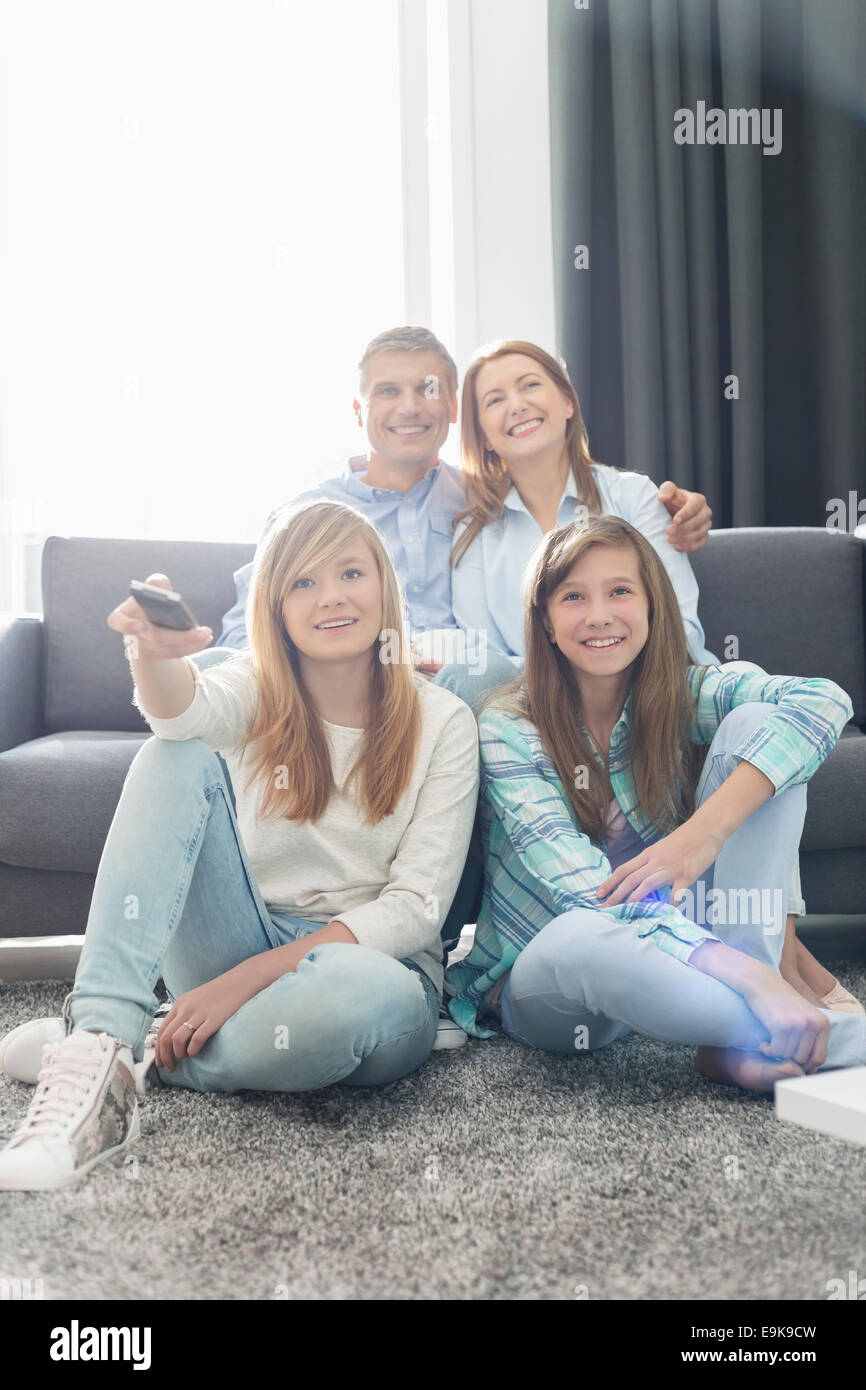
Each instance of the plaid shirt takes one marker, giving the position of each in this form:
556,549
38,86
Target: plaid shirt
539,865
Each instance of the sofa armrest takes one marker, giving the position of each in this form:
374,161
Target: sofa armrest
21,691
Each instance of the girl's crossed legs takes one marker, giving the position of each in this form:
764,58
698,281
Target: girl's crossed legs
588,978
175,896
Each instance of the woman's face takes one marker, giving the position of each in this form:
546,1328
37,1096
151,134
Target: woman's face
333,611
599,615
521,410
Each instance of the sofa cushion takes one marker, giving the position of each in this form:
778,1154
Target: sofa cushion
87,679
57,798
836,798
832,881
794,599
34,902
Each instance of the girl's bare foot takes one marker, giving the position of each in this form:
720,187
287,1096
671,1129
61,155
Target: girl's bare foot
799,968
751,1070
796,981
812,972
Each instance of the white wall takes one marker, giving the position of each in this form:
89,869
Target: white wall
199,230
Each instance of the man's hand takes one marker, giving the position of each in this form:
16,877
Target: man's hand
424,665
692,517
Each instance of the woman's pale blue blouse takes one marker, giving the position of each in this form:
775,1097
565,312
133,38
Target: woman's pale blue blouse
485,586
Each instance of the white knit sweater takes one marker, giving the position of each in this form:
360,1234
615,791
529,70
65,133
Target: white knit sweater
391,883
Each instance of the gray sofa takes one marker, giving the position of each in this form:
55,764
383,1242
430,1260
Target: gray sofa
794,598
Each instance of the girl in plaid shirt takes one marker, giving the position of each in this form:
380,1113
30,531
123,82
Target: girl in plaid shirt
635,881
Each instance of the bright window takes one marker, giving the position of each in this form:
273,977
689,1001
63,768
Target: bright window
200,227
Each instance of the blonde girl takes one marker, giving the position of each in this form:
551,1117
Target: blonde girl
289,892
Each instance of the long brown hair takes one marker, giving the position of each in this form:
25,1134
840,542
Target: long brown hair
665,763
288,732
486,479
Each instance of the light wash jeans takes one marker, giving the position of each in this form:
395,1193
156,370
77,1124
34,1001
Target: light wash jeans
175,896
588,978
472,687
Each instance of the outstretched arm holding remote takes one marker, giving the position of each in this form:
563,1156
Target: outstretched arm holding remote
156,655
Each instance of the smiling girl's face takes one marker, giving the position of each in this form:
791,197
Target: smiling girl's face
599,615
521,410
333,611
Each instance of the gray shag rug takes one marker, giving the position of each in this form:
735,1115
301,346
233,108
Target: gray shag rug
494,1172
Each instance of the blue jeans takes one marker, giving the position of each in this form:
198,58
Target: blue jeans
175,896
588,978
472,686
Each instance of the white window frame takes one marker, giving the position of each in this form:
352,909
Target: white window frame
476,171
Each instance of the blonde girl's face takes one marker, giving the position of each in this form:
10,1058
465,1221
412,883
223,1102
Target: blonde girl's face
599,615
520,408
333,611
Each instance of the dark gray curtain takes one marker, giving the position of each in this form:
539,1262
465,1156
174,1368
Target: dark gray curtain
710,260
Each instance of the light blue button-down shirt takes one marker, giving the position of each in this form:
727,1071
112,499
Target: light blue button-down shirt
485,586
416,527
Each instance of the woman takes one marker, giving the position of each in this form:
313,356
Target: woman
290,897
528,469
597,800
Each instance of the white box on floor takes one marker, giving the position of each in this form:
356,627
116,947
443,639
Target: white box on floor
833,1102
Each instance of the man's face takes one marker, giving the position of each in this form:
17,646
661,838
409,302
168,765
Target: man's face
408,407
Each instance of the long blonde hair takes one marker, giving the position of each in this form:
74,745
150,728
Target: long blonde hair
288,732
665,763
486,479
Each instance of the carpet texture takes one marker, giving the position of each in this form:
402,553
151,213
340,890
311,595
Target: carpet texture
494,1172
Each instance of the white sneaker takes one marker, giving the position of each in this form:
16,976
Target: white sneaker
143,1067
84,1111
21,1051
449,1033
